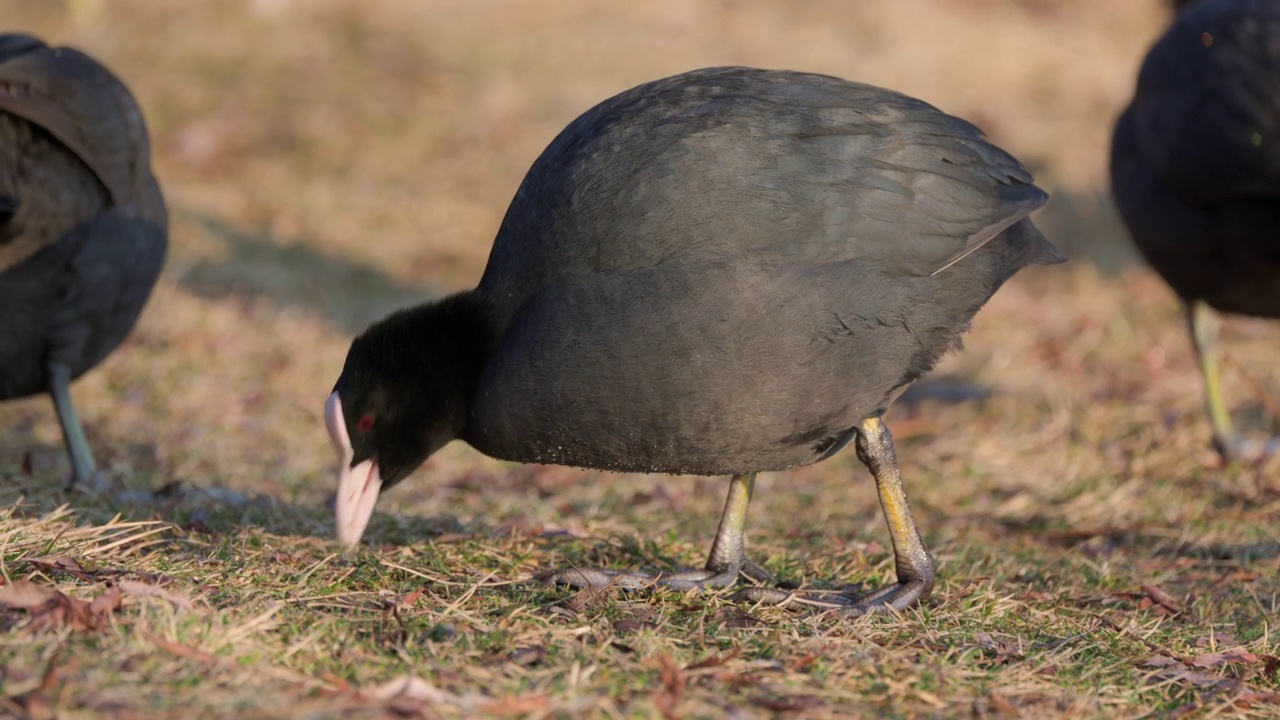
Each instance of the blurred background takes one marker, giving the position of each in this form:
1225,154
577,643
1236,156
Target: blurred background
327,161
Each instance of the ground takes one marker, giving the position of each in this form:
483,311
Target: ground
327,161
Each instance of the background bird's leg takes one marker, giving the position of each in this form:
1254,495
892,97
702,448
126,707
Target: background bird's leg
83,469
726,561
1204,335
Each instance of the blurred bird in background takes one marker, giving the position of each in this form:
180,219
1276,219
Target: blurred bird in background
83,225
1195,169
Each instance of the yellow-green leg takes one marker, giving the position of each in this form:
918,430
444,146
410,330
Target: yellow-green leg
1203,323
1204,334
725,563
915,567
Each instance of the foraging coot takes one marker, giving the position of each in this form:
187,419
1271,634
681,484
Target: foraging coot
722,272
1195,170
83,227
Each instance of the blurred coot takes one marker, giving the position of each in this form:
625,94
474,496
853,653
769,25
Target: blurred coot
83,226
1195,170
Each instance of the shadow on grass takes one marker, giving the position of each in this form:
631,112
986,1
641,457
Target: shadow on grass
212,511
256,268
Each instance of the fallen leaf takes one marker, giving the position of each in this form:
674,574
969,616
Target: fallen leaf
59,564
50,609
108,602
1209,660
1001,704
1272,666
1161,661
26,595
1218,639
1185,674
1246,700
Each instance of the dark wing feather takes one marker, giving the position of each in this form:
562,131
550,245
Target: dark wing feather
82,104
89,113
787,166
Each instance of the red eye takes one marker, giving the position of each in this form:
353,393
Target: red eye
366,423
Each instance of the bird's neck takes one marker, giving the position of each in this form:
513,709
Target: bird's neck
446,344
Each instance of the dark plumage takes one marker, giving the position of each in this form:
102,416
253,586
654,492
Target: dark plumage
1195,169
83,227
726,271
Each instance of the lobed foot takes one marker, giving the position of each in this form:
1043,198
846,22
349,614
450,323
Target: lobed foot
849,602
915,567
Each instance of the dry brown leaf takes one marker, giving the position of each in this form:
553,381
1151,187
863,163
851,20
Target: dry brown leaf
1161,661
1218,639
26,595
108,602
1001,704
51,609
1184,674
1247,700
1209,660
58,564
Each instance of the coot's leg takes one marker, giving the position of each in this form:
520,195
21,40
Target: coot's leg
84,470
726,561
1204,335
915,566
727,552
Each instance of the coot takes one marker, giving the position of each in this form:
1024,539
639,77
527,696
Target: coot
83,227
1195,170
722,272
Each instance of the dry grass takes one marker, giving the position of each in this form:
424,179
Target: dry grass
330,160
